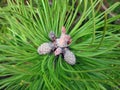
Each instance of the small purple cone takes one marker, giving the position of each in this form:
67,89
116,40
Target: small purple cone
69,57
45,48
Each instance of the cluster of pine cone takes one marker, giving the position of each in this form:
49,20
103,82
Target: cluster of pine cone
58,46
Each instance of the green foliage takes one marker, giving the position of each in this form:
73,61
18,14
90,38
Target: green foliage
95,42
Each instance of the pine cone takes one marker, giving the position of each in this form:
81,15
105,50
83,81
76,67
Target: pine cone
45,48
69,57
52,36
64,39
61,42
58,51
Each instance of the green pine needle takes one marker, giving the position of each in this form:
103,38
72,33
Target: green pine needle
95,43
